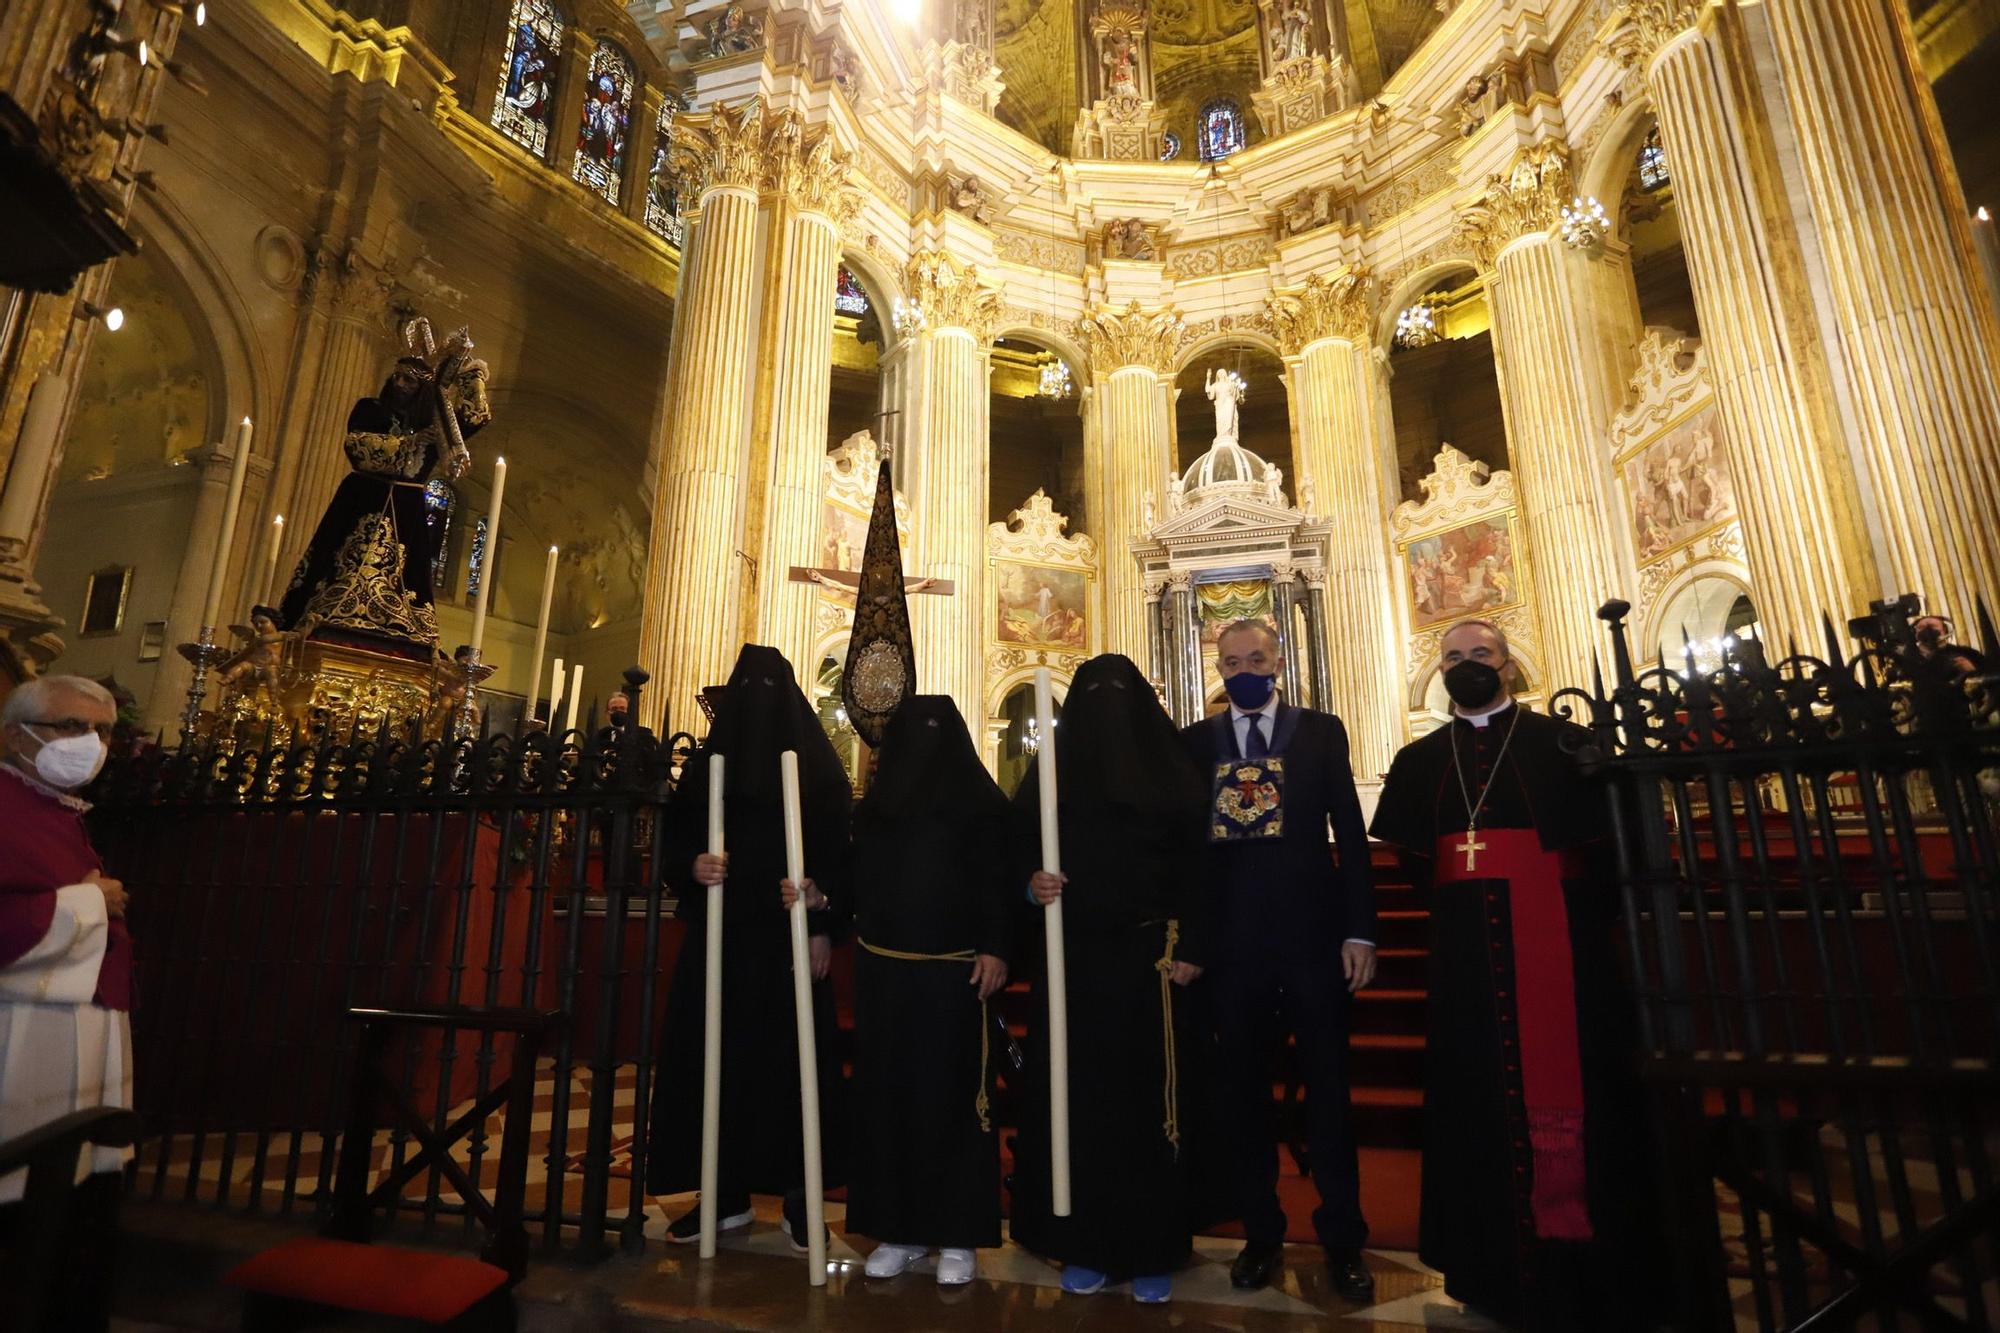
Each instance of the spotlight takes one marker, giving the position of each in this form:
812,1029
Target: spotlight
114,318
200,15
132,46
909,11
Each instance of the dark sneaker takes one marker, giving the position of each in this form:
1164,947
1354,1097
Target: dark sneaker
686,1228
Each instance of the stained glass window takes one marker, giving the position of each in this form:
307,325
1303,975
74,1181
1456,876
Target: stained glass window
475,566
1653,174
663,200
526,104
439,501
1221,128
607,121
848,297
1170,147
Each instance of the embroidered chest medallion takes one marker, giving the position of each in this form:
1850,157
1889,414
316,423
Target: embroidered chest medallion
1249,800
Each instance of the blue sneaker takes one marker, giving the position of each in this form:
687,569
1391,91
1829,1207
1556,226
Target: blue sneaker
1080,1281
1155,1290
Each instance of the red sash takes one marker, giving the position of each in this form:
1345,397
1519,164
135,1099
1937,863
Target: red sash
1551,1067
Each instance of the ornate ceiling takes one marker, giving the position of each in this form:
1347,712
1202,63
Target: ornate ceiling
1202,49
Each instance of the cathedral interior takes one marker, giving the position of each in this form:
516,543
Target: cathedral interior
1359,316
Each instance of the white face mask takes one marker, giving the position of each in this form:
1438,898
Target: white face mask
69,761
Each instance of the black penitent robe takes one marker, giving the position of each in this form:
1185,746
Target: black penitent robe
762,714
930,878
368,566
1133,825
1537,1182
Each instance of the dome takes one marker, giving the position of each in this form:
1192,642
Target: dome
1226,463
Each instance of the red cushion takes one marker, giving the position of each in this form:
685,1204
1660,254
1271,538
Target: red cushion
375,1279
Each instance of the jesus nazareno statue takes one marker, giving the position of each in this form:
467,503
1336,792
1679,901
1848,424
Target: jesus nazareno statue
366,575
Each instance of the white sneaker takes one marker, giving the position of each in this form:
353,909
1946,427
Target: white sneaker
893,1260
955,1267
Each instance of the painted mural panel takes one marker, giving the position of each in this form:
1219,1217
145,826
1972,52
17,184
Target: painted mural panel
1465,571
1040,605
1679,485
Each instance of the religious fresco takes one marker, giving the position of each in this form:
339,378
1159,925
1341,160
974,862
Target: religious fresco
1465,571
843,536
1679,485
526,104
1040,605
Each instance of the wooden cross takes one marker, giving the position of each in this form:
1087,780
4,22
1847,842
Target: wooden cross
1471,848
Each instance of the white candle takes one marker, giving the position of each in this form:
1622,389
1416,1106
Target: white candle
542,629
211,606
275,540
711,1037
556,690
575,696
487,559
795,870
1052,926
1987,242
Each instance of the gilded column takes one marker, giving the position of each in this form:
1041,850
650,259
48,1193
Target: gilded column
1903,291
812,197
1132,353
959,315
1554,405
1807,549
688,634
1323,329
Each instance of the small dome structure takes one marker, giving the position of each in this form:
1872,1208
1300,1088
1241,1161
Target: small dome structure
1226,463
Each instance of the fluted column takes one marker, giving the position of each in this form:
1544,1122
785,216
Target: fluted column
689,628
1554,407
1903,289
1317,641
798,355
1132,354
1284,603
1807,549
1324,330
959,315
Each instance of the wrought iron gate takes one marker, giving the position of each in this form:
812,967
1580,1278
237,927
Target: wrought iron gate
1812,902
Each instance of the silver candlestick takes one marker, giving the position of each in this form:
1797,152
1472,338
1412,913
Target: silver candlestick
204,653
472,673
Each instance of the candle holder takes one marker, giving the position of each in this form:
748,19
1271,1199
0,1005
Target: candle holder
472,673
204,653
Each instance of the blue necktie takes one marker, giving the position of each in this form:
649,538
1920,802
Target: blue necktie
1255,747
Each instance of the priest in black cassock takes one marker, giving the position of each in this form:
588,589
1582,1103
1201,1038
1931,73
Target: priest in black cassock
1296,938
762,714
933,910
1536,1174
1136,930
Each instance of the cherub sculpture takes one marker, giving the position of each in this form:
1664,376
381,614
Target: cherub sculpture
261,659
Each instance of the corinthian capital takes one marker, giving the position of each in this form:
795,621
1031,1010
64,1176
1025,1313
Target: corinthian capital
1336,307
724,148
812,172
1650,25
1526,198
950,294
1115,338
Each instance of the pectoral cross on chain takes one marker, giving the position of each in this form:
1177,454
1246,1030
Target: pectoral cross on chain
1471,847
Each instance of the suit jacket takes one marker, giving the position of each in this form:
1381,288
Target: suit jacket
1288,894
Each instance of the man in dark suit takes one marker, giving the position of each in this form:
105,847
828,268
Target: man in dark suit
1296,936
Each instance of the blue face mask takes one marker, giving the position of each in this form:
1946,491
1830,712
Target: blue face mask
1248,690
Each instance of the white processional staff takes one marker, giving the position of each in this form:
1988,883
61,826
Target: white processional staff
795,870
711,1034
556,692
1052,926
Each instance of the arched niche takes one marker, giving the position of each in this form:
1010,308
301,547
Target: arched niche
1264,417
1705,610
1444,382
1034,426
1011,706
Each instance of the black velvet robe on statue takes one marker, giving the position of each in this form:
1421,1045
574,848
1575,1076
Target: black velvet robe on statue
930,877
1133,820
1478,1223
762,713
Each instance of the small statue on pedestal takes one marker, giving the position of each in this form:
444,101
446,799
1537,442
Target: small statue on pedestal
261,659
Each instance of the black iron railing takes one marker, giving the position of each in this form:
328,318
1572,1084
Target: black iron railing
1808,854
275,888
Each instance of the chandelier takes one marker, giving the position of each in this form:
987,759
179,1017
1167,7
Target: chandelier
908,317
1417,326
1584,223
1055,381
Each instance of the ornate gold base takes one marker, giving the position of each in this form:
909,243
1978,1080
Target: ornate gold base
336,691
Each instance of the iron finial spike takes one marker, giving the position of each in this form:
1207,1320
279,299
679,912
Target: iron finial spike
1834,655
1613,614
1596,674
1989,642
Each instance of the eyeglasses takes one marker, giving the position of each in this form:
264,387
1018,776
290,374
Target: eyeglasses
73,726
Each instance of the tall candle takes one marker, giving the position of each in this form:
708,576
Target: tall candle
487,560
575,693
542,630
802,1009
1055,971
556,690
211,605
711,1037
275,539
1987,242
